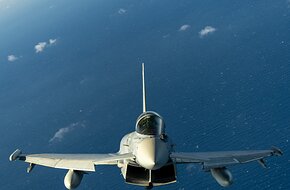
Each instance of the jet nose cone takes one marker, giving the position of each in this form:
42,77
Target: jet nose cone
150,163
152,153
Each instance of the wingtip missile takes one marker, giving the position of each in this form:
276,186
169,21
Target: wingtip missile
15,155
276,151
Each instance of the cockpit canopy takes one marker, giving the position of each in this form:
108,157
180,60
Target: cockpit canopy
150,123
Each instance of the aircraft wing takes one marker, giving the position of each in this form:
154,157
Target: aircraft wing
81,162
211,160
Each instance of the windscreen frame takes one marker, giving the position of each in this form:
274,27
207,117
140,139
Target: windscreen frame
150,123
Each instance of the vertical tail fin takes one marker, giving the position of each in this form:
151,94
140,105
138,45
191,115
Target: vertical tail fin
144,89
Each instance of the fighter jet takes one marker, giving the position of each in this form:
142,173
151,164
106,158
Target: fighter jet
146,156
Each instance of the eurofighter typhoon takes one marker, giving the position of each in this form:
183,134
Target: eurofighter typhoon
146,156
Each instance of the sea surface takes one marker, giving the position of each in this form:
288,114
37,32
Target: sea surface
217,71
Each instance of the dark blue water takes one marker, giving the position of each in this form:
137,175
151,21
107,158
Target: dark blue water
228,90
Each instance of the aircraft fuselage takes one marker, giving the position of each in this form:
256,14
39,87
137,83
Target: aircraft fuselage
151,152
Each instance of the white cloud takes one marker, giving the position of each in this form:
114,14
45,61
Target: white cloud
122,11
207,30
52,41
12,58
40,47
60,134
184,27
